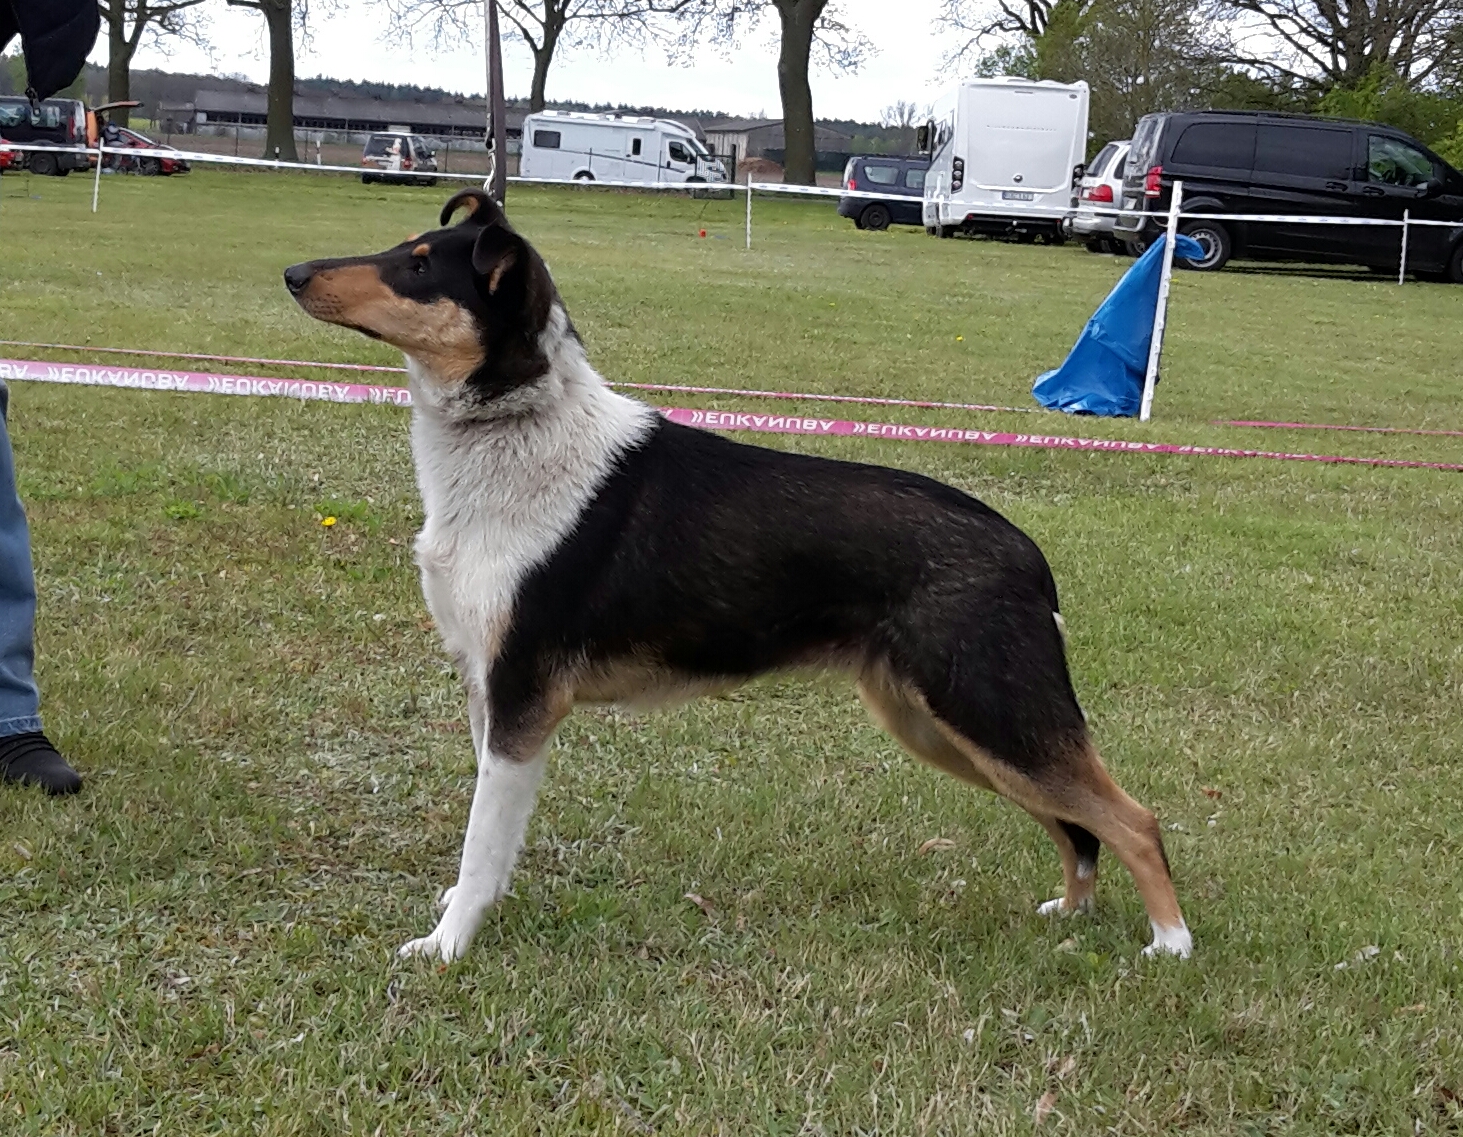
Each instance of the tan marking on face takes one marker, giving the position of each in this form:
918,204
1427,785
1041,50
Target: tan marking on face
421,250
441,335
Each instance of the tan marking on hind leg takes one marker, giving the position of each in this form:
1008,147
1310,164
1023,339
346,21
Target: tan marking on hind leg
904,715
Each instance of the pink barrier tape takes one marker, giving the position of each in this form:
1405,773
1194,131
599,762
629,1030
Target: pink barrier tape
1330,426
148,380
750,393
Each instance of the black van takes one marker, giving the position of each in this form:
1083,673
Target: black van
901,179
54,122
1277,164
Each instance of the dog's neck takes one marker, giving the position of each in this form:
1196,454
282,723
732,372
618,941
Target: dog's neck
537,453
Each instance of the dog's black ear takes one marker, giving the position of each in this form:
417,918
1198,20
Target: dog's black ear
481,209
511,273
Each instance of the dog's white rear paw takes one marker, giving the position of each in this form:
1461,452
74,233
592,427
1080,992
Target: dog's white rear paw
446,898
1058,907
1171,941
439,946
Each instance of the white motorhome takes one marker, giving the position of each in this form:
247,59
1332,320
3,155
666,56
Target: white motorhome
614,148
1005,154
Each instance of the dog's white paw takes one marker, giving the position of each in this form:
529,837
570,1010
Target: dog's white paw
1171,941
446,898
444,948
1058,907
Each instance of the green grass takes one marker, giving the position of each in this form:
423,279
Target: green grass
279,770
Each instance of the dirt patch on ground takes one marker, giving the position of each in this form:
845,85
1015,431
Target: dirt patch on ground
760,169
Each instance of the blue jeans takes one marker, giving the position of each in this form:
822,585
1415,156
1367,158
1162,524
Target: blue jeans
20,701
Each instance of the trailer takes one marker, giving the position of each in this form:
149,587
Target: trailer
1005,156
569,145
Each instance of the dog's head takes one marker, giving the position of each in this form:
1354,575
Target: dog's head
468,303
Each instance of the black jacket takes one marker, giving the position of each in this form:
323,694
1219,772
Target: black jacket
56,36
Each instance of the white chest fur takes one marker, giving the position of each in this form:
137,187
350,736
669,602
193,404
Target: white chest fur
501,493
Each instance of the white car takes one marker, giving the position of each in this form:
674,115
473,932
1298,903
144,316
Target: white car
1099,197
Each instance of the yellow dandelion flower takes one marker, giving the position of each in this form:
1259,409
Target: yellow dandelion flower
327,521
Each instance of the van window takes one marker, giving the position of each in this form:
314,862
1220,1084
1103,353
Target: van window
882,175
1392,162
546,139
378,145
14,112
1304,151
914,179
634,147
1145,142
1219,145
677,152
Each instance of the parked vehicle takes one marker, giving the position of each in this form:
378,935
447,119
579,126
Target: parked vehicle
1005,154
902,179
1294,165
388,153
53,122
1098,195
125,138
619,148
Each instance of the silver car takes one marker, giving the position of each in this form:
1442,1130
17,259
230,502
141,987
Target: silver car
1099,197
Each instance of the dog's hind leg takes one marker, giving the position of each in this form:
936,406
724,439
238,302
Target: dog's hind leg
1079,867
509,771
904,713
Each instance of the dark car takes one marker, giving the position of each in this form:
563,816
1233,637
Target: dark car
52,122
902,179
1298,165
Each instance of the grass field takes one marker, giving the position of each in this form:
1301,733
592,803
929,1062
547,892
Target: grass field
1271,655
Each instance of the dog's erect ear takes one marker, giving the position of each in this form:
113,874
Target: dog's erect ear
511,274
500,256
481,209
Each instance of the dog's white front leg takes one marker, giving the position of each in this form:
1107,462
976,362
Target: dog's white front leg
501,804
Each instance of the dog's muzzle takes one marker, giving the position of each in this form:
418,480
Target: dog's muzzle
297,278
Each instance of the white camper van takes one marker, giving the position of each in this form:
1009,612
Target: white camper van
1005,154
614,148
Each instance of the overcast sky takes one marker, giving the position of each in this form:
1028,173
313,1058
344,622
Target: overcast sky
354,44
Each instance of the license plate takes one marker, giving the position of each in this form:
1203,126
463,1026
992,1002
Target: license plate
1017,195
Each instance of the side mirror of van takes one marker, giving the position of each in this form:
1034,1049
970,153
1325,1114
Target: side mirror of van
922,139
1430,188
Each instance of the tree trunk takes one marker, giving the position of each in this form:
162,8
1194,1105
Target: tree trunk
543,57
279,134
799,161
119,63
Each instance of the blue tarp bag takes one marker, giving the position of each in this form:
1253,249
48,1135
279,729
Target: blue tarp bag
1103,375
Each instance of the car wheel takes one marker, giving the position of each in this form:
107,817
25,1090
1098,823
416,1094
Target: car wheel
1214,239
929,230
584,176
1455,264
45,165
149,167
366,179
875,217
1096,245
946,230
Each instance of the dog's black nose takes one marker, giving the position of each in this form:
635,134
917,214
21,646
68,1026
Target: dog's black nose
296,277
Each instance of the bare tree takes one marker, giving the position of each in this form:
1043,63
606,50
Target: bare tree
807,29
975,23
544,26
1338,43
128,23
283,19
900,115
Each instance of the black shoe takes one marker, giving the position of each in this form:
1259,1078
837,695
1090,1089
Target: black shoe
30,759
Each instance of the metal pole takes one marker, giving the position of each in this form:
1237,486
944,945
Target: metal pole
749,209
96,185
1160,310
1402,263
497,112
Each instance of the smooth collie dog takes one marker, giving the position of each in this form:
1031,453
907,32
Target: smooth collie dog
579,548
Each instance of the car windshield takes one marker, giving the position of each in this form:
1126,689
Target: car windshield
379,145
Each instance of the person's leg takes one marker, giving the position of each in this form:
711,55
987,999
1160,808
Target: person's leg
26,755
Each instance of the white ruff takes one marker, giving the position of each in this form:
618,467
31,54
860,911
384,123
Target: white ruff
502,486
